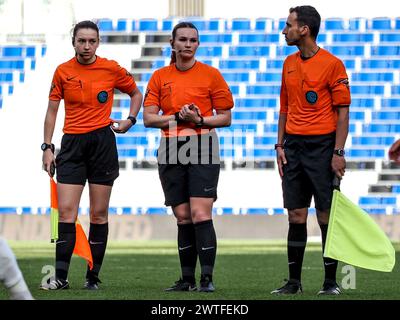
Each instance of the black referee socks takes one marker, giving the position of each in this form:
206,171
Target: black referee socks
64,248
206,242
98,235
296,244
187,251
330,265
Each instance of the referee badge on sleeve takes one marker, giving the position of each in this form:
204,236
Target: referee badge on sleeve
311,97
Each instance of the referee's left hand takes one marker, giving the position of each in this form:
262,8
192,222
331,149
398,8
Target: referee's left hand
121,126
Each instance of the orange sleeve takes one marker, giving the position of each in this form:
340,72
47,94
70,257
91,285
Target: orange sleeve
283,96
221,95
124,81
56,91
152,96
339,85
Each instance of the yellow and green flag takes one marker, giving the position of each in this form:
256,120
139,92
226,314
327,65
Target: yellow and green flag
354,237
82,247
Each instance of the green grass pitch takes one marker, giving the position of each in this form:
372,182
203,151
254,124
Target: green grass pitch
245,270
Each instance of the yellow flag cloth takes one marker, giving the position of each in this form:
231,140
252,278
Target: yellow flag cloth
355,238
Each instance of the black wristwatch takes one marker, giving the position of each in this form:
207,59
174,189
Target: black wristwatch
46,146
339,152
133,119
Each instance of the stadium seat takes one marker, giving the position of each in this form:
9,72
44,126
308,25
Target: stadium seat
236,76
148,25
261,23
275,64
285,50
121,25
333,24
357,24
380,24
259,37
386,115
346,50
167,24
391,102
12,51
249,115
383,50
397,23
240,24
105,25
239,64
367,89
352,37
249,51
372,141
263,89
372,76
389,37
12,64
269,76
256,102
215,38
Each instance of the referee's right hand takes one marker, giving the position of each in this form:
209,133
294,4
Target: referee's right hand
280,159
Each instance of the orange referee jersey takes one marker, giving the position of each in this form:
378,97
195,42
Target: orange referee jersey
311,90
203,85
88,92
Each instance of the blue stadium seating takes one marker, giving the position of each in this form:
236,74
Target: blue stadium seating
215,37
357,24
391,102
240,24
261,23
372,140
383,50
367,89
263,89
105,25
236,76
259,51
334,24
259,37
353,37
389,37
346,50
148,25
269,76
372,76
380,24
387,63
239,64
122,25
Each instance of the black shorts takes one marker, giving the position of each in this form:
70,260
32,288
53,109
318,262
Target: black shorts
189,167
89,156
308,171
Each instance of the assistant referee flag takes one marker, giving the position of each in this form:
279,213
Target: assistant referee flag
82,247
354,237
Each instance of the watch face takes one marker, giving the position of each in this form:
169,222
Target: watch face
43,146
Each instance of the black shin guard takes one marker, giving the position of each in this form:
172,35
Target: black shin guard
206,243
64,248
296,244
187,251
330,265
98,235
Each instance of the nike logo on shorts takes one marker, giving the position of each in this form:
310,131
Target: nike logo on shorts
93,242
207,248
183,248
209,189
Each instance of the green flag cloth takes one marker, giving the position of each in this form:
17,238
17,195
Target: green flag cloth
354,237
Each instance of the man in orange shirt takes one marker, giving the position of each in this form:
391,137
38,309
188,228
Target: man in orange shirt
312,131
188,92
88,147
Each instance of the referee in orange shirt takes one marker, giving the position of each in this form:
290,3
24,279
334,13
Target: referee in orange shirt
194,98
312,131
88,147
